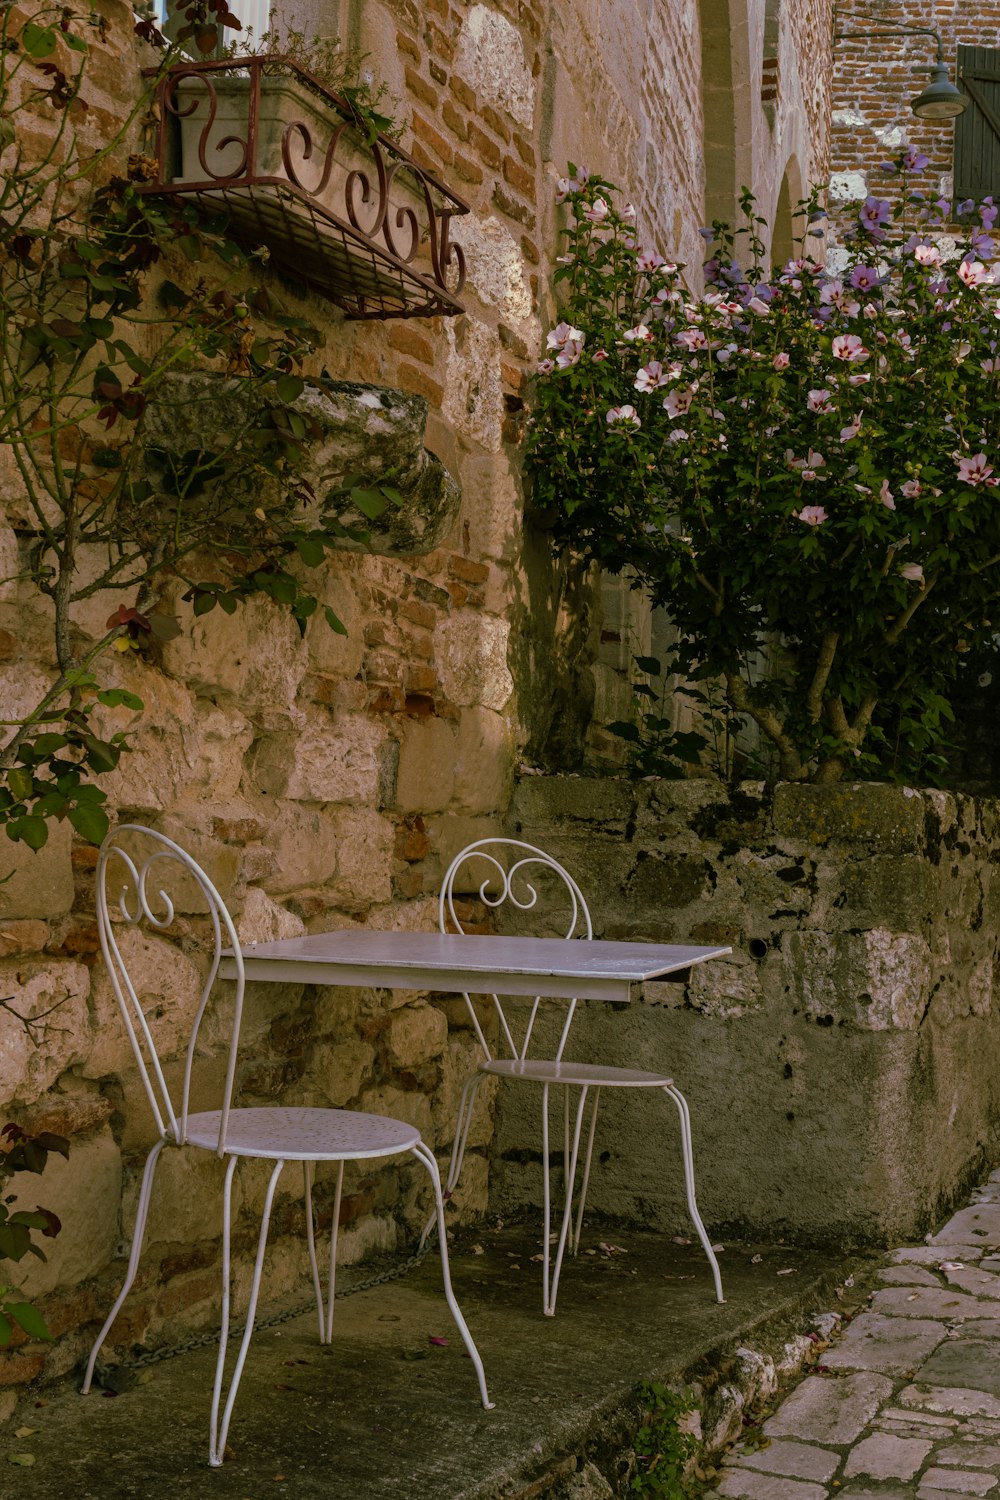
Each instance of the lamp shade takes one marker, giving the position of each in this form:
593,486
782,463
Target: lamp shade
940,100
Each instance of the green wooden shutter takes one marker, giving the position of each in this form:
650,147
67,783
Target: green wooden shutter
977,131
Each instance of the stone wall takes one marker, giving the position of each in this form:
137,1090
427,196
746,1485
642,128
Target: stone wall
840,1064
326,780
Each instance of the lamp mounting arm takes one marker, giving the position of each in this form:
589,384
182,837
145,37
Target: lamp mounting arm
891,28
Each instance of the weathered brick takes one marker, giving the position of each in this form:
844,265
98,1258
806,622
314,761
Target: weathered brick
496,122
469,171
408,340
467,569
425,131
455,120
519,176
411,378
420,88
485,146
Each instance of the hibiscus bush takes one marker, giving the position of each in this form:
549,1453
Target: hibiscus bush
797,464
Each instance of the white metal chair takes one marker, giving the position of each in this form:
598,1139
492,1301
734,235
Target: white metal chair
495,870
271,1133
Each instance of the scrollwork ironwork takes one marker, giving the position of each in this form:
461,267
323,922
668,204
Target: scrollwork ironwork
385,221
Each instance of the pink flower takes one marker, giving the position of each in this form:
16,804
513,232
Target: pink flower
811,515
677,403
974,470
849,347
911,489
622,416
759,306
819,402
647,261
598,355
974,273
990,366
692,338
628,213
677,435
780,361
651,377
563,189
885,495
570,353
913,572
858,379
808,465
564,333
927,255
598,211
851,430
546,366
639,334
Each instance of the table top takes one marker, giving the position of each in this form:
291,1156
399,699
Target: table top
435,961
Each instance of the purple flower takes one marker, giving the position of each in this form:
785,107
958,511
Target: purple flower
982,244
913,160
864,278
874,212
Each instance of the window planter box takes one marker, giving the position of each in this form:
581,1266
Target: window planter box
360,221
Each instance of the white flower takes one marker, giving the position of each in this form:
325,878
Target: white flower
623,416
564,333
640,333
651,377
597,211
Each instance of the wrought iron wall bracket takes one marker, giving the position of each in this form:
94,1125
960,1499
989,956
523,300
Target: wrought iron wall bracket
359,221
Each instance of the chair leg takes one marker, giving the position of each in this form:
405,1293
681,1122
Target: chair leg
331,1289
462,1125
575,1238
142,1214
307,1176
217,1441
546,1200
688,1154
423,1153
550,1297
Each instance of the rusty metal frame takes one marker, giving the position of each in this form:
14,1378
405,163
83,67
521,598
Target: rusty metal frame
374,238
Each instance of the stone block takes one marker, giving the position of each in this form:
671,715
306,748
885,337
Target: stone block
329,651
322,758
401,1104
52,996
254,658
417,1033
470,650
874,1342
304,843
168,984
425,777
364,841
339,1070
86,1194
490,57
883,1455
796,1460
830,1411
264,921
39,882
887,819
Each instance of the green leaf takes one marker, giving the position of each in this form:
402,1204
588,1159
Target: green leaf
91,823
119,697
204,603
21,782
289,387
6,1330
100,755
334,621
29,830
370,503
311,551
38,41
29,1318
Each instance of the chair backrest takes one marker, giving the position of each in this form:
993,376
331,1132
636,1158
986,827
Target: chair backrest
134,867
498,871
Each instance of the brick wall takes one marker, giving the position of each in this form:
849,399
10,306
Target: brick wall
873,85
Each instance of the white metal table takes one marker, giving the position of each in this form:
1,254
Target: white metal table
551,967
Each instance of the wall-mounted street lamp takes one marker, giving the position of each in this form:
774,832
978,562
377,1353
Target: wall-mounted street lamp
941,99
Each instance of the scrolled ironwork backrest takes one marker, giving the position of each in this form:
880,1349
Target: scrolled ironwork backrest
509,866
129,894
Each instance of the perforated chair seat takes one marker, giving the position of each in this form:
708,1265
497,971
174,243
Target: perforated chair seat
302,1134
541,1070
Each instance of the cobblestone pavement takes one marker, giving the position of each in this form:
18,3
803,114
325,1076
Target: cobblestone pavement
906,1404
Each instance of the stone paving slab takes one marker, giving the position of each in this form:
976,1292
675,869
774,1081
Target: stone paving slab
906,1403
